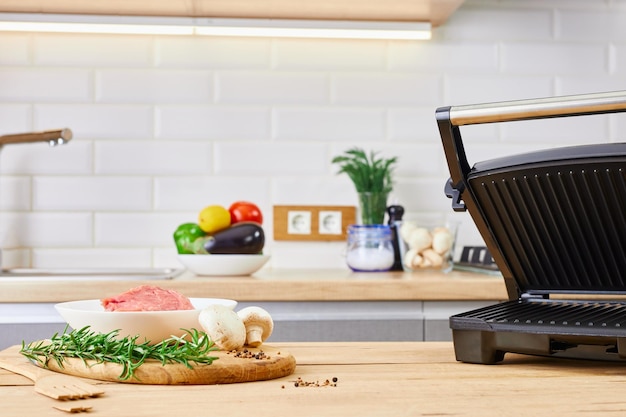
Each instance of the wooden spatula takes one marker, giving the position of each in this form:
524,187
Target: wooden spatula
50,383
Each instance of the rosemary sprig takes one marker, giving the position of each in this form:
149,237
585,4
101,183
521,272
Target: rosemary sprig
367,172
191,348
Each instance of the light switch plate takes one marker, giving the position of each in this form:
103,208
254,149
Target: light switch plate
313,223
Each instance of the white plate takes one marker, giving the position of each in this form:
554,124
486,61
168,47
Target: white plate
224,265
149,325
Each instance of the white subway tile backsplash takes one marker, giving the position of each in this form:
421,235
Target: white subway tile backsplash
166,258
116,258
437,56
156,86
329,55
385,89
84,193
165,125
423,195
309,255
589,25
15,193
152,157
493,23
250,158
15,258
568,85
41,159
15,118
213,52
617,123
243,87
134,230
554,59
27,84
464,89
93,50
619,63
336,190
213,122
52,230
98,121
329,123
193,193
15,49
481,134
412,124
560,131
419,161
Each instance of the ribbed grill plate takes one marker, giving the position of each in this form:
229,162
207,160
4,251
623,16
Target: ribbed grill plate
560,226
589,318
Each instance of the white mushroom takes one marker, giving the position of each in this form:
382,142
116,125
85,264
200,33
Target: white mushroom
258,323
419,239
412,259
432,258
442,240
406,228
223,326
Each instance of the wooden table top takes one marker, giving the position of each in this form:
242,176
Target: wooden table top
373,379
278,285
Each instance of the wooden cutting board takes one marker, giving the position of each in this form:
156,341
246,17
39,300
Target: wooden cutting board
227,369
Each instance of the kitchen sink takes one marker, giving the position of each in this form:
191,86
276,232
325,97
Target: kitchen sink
93,274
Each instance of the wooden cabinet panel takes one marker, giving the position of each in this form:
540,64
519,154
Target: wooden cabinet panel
434,11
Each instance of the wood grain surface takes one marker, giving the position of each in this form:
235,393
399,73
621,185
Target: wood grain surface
279,285
374,379
227,369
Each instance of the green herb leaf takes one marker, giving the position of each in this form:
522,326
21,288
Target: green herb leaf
192,348
367,172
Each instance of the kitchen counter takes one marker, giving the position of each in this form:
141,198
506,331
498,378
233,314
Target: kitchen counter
307,305
278,285
374,379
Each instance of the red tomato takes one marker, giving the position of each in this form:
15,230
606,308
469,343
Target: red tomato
244,211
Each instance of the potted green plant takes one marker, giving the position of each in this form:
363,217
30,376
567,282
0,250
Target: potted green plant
372,178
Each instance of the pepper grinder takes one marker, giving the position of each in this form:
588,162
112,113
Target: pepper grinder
395,213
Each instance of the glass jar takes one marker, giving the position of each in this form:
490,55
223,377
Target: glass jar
428,245
373,206
370,247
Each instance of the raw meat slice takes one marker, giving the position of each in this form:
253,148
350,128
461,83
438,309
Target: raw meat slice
147,298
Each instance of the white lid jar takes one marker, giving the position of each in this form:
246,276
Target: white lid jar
370,248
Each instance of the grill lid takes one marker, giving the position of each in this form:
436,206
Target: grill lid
554,220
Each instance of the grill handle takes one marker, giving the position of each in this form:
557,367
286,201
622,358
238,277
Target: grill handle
450,118
506,111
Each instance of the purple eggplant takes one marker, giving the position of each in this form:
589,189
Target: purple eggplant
242,238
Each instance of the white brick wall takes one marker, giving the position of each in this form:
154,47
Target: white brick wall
166,125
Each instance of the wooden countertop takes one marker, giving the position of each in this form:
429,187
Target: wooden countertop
278,285
374,379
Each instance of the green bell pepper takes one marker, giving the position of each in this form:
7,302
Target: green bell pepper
185,235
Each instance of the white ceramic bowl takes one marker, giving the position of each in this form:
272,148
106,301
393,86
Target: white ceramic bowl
224,265
150,325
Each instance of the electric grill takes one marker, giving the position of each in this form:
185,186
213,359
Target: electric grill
554,222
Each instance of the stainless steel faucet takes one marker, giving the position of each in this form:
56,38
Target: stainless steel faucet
53,137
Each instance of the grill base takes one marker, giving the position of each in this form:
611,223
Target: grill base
570,329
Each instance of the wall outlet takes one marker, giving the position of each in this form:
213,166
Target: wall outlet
299,222
330,222
313,223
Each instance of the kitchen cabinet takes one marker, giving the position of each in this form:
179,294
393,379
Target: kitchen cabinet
434,11
307,305
297,321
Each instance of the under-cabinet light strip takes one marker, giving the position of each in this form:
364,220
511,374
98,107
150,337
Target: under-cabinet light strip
215,27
